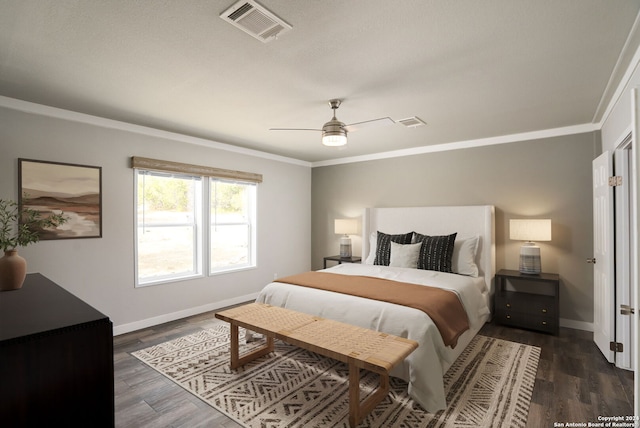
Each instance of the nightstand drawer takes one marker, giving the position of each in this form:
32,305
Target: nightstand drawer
523,320
526,303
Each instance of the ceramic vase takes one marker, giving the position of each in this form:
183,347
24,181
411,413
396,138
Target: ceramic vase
13,271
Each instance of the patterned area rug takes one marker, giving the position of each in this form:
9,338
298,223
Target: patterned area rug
489,385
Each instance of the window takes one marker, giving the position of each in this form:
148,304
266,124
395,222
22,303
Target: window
172,240
169,244
231,231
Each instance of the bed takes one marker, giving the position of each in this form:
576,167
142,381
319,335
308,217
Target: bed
473,264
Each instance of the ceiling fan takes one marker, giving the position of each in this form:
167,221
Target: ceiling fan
334,132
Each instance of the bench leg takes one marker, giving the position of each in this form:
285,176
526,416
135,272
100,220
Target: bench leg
236,360
358,411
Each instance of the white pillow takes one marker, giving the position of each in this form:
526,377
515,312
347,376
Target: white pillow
373,244
405,255
463,261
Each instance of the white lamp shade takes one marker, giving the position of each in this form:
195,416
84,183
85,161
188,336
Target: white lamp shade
346,226
530,230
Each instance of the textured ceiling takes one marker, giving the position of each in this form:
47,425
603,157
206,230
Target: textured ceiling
470,69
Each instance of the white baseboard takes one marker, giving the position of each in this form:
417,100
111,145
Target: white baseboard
578,325
150,322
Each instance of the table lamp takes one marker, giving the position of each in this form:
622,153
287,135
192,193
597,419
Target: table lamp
345,227
530,230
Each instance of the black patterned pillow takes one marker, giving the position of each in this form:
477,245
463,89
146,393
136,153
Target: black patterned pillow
436,252
383,246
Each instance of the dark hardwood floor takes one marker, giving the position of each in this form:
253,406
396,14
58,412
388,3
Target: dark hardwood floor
574,382
144,397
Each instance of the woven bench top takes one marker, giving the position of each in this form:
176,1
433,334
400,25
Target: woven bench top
365,348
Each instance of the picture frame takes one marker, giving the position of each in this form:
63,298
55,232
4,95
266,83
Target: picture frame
76,190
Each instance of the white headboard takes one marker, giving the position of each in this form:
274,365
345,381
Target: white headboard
467,221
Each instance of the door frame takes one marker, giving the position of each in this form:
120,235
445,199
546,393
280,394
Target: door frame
635,241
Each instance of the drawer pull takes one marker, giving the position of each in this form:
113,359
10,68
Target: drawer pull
544,311
508,317
544,323
508,305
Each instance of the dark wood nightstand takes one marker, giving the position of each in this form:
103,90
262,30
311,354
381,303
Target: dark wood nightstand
341,260
528,301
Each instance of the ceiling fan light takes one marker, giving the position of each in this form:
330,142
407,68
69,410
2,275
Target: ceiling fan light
333,133
334,139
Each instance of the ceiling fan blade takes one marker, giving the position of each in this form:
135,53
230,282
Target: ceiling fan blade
293,129
383,121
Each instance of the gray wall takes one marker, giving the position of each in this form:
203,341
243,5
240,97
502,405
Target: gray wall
297,206
101,270
548,178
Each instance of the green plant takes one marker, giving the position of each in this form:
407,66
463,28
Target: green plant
20,226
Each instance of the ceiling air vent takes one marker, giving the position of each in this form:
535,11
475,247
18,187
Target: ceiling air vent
255,20
411,122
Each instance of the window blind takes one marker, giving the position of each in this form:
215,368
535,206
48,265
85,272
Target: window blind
185,168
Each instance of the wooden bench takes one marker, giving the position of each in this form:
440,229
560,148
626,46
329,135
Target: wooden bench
358,347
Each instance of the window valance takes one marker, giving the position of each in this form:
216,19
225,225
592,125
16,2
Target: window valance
184,168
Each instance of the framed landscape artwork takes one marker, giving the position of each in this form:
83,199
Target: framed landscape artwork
76,190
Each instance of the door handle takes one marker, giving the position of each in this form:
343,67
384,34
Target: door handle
592,260
626,310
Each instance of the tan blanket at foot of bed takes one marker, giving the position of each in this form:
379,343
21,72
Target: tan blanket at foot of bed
442,306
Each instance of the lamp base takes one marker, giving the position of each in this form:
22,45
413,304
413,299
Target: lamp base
345,247
530,259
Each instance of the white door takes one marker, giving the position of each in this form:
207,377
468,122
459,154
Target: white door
603,297
624,327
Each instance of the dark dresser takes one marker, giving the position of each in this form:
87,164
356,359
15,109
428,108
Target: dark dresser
56,359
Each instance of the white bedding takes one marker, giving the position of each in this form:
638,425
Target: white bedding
425,367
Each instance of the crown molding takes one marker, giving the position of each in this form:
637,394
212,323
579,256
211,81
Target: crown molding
504,139
610,97
43,110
